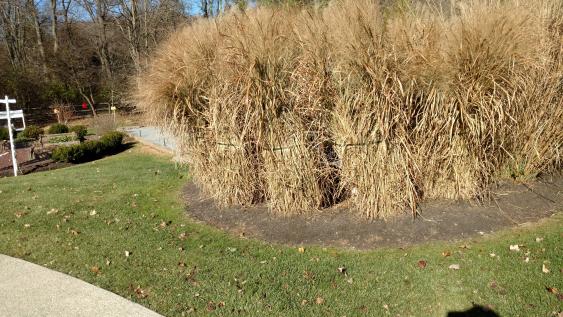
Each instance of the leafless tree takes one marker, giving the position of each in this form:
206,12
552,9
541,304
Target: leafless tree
13,30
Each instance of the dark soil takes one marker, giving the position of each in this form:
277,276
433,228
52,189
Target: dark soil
511,204
38,164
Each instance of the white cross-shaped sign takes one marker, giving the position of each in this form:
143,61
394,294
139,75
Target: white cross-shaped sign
7,102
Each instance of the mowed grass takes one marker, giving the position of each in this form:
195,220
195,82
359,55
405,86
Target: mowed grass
177,267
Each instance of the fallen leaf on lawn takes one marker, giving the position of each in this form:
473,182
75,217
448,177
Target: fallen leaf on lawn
27,225
527,259
20,214
108,262
386,306
552,290
74,232
211,306
95,269
127,253
301,250
231,249
304,302
182,264
342,270
308,275
183,236
93,212
190,277
141,293
446,253
539,239
514,247
421,264
454,267
319,300
221,304
544,269
52,211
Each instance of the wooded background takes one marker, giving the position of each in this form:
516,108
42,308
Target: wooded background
86,51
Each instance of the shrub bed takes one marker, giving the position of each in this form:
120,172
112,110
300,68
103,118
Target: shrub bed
80,131
383,106
108,144
58,128
4,134
31,132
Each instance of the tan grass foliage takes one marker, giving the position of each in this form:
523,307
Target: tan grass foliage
382,106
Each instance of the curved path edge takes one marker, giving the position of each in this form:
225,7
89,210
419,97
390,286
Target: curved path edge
27,289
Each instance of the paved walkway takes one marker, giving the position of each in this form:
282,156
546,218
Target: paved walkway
152,135
30,290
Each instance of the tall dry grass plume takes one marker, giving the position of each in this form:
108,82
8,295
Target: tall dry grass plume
380,106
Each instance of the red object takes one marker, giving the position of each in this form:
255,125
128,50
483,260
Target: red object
84,106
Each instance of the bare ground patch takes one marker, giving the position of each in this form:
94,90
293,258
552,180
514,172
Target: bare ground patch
512,204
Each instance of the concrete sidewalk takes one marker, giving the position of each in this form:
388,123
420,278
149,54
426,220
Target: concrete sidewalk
152,135
27,289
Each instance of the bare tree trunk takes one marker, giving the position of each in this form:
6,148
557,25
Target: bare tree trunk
130,26
54,26
66,21
14,31
205,9
89,99
97,12
39,36
103,43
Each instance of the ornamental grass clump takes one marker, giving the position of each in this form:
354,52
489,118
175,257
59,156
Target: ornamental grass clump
381,106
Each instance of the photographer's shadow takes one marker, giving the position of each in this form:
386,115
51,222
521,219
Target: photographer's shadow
475,311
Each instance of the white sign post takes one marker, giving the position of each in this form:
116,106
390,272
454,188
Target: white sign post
7,102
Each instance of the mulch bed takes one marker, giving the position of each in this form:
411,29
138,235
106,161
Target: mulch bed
512,204
26,165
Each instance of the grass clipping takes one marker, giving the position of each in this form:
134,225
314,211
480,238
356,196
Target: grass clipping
381,107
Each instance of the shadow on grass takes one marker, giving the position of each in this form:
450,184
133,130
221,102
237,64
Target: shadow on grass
475,311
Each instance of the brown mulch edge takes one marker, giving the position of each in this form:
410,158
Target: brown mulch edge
512,204
36,166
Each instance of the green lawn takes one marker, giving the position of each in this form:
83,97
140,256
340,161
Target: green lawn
82,220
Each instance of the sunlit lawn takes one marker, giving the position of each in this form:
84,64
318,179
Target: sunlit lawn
84,219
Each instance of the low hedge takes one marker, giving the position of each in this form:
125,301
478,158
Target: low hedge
31,132
58,128
108,144
4,134
80,131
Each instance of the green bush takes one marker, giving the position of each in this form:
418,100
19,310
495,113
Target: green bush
31,132
112,140
23,139
108,144
81,132
4,134
58,128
